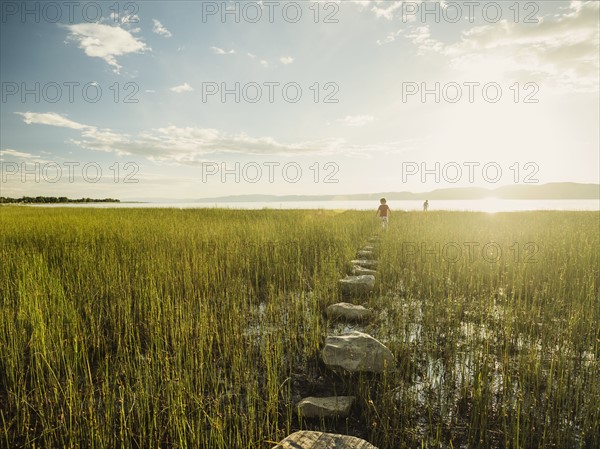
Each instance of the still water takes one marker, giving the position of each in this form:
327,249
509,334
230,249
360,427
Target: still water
486,205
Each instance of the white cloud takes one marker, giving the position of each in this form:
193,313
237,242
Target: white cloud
388,11
391,37
251,55
21,156
50,118
15,153
220,51
286,60
355,120
562,52
160,29
124,19
191,145
421,37
133,18
264,63
106,136
106,42
185,87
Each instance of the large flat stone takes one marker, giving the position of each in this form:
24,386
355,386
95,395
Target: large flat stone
357,285
347,311
357,352
327,407
357,270
366,263
318,440
365,254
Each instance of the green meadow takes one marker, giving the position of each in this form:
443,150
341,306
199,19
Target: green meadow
168,328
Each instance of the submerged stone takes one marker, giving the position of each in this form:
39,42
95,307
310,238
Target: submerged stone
326,407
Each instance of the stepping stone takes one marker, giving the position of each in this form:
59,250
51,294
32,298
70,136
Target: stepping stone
369,248
357,352
365,263
305,439
375,239
357,270
357,285
351,312
329,407
363,254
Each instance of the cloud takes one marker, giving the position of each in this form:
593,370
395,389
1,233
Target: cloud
15,153
106,42
23,156
89,132
10,156
264,63
421,37
390,8
355,120
185,87
286,60
388,11
391,37
562,51
50,118
160,29
191,145
220,51
125,18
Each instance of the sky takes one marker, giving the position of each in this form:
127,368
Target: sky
186,100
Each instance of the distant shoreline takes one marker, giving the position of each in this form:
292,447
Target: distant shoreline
398,207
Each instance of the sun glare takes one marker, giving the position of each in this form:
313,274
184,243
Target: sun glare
493,205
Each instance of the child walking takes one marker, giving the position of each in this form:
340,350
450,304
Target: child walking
383,212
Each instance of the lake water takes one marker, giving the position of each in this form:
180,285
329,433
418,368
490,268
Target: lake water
487,205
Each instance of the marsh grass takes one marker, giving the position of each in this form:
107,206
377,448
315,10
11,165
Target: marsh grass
496,349
130,328
199,328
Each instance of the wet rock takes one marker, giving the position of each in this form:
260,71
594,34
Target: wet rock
357,352
357,270
365,254
328,407
347,311
357,285
365,263
318,440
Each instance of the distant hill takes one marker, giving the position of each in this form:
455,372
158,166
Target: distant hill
551,191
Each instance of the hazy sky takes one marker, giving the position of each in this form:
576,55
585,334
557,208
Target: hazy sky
198,99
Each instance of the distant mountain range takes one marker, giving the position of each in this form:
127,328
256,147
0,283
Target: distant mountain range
551,191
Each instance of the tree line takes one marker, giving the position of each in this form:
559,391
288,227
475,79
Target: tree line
55,199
